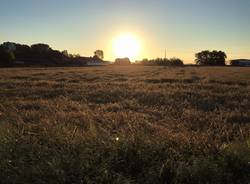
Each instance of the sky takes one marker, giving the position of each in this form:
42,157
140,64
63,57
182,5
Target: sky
182,27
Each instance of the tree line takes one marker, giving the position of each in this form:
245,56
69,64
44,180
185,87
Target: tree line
43,54
161,62
12,54
204,58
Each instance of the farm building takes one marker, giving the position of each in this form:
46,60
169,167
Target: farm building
240,62
91,61
34,62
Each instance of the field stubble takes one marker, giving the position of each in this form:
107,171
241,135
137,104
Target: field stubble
125,125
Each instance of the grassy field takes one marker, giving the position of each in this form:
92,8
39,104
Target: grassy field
130,124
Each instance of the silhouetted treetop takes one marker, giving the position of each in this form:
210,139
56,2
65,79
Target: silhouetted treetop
40,48
6,57
99,54
214,58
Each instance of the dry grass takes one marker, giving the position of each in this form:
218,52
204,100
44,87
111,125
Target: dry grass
130,124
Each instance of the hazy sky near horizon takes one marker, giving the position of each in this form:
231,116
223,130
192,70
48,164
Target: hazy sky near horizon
183,27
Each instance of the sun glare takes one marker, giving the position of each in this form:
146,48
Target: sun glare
126,45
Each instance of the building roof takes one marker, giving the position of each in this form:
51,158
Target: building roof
241,60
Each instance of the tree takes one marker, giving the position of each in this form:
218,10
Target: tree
214,58
65,53
56,56
176,62
40,48
9,46
99,54
6,58
22,51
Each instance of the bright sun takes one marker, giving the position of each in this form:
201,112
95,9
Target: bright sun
126,45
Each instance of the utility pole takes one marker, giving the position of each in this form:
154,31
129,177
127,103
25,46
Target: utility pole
165,54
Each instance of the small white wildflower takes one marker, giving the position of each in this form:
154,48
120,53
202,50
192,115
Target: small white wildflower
117,138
